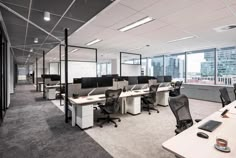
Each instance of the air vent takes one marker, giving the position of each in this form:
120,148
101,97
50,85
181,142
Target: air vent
225,28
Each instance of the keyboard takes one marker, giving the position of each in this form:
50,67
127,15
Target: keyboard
210,125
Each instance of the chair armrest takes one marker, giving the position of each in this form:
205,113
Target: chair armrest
198,120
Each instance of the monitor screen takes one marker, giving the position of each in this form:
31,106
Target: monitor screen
111,75
55,77
132,80
167,78
160,79
143,79
105,81
77,80
89,82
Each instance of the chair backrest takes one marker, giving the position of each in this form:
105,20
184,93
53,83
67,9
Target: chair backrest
152,92
235,90
112,99
224,96
178,85
179,105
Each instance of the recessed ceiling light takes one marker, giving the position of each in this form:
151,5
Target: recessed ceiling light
93,42
31,50
36,40
181,39
46,16
225,28
28,55
136,24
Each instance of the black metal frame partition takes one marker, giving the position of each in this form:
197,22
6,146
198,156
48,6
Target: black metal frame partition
3,74
66,45
140,59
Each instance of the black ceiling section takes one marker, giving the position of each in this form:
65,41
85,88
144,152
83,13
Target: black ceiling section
23,3
86,9
53,6
79,13
66,23
37,18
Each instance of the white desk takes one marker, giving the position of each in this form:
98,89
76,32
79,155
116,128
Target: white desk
188,145
40,86
82,107
163,95
51,91
230,107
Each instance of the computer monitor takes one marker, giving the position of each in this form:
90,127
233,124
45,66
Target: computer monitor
77,80
143,79
55,77
151,78
167,78
89,82
105,81
111,75
132,80
160,79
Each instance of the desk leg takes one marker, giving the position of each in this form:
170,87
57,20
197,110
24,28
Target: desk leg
73,115
162,98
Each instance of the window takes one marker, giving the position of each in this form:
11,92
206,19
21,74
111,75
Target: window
103,69
175,66
157,67
144,67
226,66
201,66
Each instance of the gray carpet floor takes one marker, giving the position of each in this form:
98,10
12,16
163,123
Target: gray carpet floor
142,136
35,128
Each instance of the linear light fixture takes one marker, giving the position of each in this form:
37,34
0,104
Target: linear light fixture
74,50
136,24
47,16
93,42
181,39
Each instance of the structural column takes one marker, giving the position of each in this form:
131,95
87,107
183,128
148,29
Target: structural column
66,75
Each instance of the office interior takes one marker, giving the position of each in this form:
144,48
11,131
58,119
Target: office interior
118,78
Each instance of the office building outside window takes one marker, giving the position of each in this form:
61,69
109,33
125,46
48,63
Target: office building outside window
200,67
175,66
157,66
226,66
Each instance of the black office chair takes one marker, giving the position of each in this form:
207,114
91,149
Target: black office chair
150,99
176,91
179,105
224,96
111,106
235,90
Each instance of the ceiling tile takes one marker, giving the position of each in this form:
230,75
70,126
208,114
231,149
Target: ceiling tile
138,5
112,16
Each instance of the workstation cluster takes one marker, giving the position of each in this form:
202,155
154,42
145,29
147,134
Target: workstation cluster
87,93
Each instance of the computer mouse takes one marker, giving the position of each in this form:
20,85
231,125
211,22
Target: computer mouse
202,135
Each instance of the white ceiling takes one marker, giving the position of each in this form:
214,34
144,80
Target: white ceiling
174,19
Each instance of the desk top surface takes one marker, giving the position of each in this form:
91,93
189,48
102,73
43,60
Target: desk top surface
188,144
231,107
101,97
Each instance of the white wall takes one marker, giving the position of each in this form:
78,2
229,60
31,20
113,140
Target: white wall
54,68
130,70
78,70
